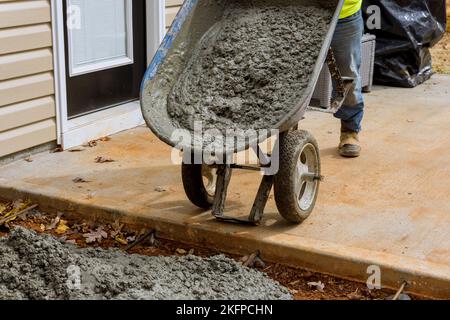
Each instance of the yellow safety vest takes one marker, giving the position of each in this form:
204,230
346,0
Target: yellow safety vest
350,8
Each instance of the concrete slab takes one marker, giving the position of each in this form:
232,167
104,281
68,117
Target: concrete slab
389,208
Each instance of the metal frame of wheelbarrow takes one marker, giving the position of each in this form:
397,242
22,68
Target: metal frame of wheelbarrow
224,172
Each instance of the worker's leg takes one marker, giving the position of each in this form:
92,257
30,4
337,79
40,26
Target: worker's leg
347,50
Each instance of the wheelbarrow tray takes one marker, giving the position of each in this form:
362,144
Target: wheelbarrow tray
194,19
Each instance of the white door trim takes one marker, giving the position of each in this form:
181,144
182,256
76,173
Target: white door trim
71,133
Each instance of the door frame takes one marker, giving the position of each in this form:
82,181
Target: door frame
74,132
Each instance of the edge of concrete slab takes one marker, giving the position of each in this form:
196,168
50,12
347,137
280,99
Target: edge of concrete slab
423,278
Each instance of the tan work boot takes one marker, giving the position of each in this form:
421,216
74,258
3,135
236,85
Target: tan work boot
350,146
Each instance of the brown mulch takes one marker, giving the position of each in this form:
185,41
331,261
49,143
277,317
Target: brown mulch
441,55
297,280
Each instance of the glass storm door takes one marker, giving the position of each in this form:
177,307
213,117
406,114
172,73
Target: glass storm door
105,45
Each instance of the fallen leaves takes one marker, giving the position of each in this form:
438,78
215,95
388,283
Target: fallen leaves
13,210
54,222
62,227
355,295
73,150
94,143
79,180
95,236
103,160
58,225
116,228
4,207
116,233
121,240
160,189
253,261
57,150
319,286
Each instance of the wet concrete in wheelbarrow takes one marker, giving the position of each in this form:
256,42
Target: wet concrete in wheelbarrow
252,67
389,208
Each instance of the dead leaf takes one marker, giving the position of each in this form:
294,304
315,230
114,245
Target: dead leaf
95,236
116,228
103,160
42,227
55,222
79,180
91,195
181,251
28,159
105,139
120,239
4,207
57,150
160,189
19,204
319,286
91,144
62,227
11,209
293,283
355,295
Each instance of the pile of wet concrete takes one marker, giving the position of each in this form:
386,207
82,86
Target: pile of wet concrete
252,67
41,267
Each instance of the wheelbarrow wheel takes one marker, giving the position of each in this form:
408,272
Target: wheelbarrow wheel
297,182
199,183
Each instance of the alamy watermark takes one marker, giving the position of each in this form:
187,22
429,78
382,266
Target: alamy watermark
374,280
214,147
73,281
373,21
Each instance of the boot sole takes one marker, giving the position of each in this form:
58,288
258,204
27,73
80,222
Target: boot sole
350,154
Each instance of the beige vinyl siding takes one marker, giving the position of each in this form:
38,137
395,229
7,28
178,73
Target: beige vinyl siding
27,104
172,7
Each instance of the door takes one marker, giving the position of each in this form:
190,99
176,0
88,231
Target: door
105,47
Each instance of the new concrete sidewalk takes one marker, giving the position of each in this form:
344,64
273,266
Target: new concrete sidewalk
389,208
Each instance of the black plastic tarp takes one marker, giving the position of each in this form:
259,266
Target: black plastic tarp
408,29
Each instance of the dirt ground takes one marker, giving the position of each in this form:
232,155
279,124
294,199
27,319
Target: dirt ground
441,55
303,284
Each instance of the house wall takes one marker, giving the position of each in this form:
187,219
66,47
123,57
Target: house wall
172,7
27,104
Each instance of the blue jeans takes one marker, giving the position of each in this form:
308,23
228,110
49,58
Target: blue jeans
346,45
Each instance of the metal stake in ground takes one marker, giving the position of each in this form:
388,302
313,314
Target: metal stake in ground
148,235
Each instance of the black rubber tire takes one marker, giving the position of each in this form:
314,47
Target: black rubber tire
194,186
291,145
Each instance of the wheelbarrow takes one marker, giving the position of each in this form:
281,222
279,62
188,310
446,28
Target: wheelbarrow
296,182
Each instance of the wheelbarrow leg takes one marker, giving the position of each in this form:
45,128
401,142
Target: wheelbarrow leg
224,173
262,197
223,181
